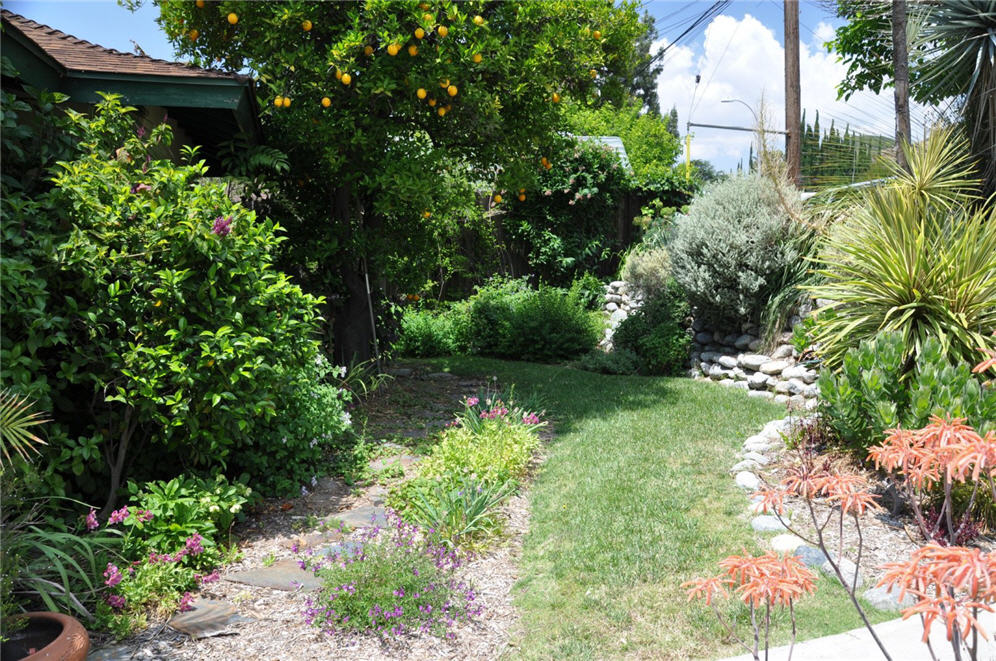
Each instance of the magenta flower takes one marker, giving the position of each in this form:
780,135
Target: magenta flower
140,131
112,575
472,401
115,601
144,515
186,603
118,516
208,578
222,226
531,419
193,545
91,520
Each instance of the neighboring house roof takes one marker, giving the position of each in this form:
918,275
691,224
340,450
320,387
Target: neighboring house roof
612,141
50,59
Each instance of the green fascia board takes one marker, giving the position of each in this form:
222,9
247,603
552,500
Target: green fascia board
34,65
140,90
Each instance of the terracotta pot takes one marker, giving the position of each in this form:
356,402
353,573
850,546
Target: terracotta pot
49,636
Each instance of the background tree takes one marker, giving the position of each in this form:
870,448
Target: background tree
643,82
382,105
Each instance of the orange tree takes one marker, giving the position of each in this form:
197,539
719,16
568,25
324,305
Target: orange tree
380,103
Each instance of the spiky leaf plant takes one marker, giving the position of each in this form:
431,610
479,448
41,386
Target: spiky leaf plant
916,255
16,420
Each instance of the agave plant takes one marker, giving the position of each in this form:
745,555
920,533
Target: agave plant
16,421
916,255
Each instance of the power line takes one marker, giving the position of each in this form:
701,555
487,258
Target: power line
713,10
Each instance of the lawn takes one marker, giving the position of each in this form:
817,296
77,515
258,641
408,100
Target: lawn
633,500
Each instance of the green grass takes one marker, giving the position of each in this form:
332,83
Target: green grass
634,499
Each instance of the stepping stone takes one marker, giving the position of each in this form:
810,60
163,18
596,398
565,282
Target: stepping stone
885,600
208,618
281,575
811,556
767,523
312,540
786,543
399,371
377,494
363,517
748,481
847,570
343,550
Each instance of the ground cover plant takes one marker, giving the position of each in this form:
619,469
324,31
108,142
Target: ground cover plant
583,594
396,582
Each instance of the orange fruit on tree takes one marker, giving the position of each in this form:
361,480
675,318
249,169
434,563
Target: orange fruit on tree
233,18
306,25
193,34
477,58
419,33
449,107
442,30
393,49
478,20
426,214
368,50
522,190
279,101
326,102
597,34
428,18
423,6
200,4
497,198
421,93
346,79
451,90
338,74
444,83
441,111
432,103
413,50
594,74
556,97
522,197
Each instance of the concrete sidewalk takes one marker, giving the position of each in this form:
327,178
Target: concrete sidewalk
901,638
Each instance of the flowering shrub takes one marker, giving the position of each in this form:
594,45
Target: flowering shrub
166,515
397,582
149,318
290,451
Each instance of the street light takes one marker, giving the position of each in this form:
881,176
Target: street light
744,104
757,123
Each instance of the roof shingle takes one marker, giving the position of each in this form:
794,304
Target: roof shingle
80,55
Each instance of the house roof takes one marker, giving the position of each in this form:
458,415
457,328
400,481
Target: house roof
211,105
80,55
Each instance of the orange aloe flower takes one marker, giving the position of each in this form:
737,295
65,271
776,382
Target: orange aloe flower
986,364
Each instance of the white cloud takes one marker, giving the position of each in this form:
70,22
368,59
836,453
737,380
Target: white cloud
741,59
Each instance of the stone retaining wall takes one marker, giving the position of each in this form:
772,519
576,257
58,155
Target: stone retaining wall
730,359
734,361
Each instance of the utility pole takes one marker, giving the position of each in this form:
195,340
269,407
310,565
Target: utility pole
901,64
793,93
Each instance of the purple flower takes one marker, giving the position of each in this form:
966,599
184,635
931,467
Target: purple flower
118,516
112,575
91,520
140,131
144,515
208,578
222,226
115,601
186,602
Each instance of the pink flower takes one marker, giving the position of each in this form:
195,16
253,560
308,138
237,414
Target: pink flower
193,545
118,516
472,401
115,601
530,419
112,575
212,577
548,193
186,603
91,520
144,515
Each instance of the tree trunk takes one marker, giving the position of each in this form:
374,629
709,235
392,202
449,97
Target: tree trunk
793,93
352,332
901,64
